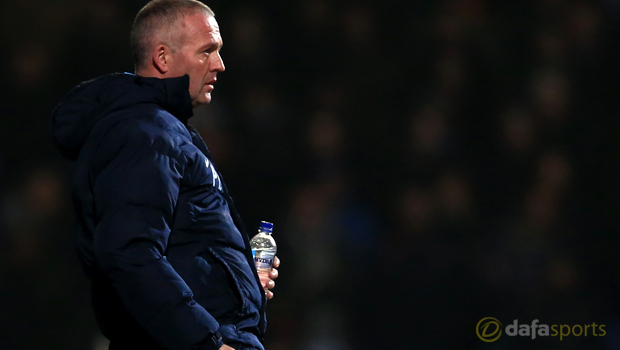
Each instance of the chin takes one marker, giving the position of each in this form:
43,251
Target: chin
205,99
201,101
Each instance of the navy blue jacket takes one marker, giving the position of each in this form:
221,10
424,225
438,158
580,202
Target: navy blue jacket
157,233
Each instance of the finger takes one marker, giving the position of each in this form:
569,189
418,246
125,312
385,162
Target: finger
276,262
269,294
269,285
264,281
273,274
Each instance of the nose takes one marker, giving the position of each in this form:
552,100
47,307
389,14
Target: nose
218,65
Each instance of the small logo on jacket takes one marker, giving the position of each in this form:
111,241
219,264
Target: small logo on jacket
216,177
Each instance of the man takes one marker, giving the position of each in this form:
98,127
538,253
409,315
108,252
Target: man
158,234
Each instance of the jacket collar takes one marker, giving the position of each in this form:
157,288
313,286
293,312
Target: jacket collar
172,94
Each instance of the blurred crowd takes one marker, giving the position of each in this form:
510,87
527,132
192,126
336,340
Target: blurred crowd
425,164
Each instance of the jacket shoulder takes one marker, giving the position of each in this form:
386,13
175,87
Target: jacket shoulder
142,126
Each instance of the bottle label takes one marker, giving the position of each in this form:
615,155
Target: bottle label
262,262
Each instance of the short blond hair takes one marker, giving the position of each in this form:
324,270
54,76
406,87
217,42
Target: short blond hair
157,23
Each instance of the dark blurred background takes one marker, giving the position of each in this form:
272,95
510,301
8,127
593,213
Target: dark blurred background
426,164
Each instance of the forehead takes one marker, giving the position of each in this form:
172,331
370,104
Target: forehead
201,28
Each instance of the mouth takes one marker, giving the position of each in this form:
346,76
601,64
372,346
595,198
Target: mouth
210,84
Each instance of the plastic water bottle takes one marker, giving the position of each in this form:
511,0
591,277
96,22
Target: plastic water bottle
264,248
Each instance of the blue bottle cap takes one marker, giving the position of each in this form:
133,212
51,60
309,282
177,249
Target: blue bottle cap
266,226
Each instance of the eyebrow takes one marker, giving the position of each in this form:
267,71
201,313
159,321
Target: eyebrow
212,45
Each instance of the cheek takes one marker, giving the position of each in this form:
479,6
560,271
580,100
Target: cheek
196,88
196,81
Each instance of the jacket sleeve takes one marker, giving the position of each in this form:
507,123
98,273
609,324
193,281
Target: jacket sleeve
135,195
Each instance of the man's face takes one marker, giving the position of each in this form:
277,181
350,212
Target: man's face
199,56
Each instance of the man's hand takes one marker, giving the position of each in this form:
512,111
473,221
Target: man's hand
226,347
267,280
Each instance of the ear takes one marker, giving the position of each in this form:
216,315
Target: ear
161,56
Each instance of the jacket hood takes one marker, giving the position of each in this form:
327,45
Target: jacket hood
89,102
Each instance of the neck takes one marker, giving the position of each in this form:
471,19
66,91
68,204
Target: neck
150,72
